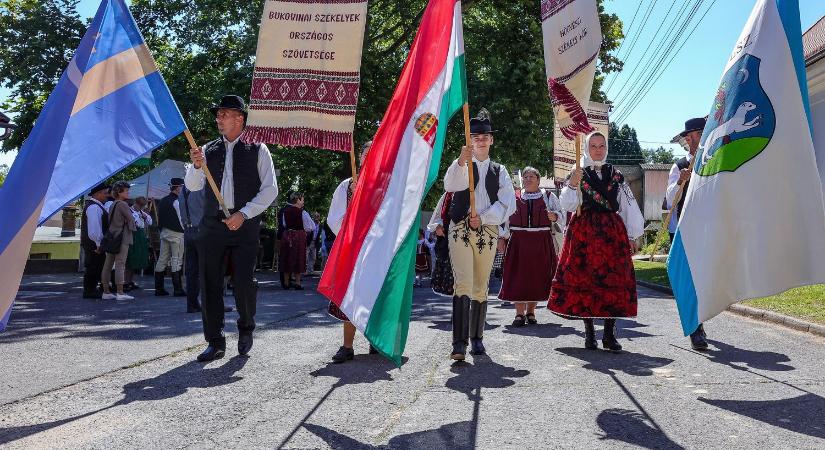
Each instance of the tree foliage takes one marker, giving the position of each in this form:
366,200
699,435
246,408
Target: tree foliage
659,155
206,48
623,145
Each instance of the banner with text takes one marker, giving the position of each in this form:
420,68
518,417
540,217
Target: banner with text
307,73
564,150
572,38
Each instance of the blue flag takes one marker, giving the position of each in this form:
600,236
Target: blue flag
109,108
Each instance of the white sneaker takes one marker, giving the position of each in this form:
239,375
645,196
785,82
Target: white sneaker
108,296
124,297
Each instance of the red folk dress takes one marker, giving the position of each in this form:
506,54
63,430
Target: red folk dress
530,259
595,278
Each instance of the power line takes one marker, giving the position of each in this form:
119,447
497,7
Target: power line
641,30
665,67
619,51
642,83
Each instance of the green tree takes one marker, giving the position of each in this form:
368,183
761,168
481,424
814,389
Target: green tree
623,145
206,48
659,155
4,171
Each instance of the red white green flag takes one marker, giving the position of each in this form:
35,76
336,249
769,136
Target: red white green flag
372,265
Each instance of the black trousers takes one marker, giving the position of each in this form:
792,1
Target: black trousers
191,266
215,243
93,265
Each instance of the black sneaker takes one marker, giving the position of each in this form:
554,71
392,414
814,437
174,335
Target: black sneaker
373,351
344,354
698,339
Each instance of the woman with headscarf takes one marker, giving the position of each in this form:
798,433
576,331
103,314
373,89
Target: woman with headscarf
296,223
594,278
529,255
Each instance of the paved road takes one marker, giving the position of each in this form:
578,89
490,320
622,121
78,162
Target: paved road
83,374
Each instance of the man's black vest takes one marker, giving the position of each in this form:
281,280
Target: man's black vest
167,216
682,164
246,181
85,241
460,205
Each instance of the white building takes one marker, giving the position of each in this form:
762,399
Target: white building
813,44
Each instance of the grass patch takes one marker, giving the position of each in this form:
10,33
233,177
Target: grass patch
806,303
654,272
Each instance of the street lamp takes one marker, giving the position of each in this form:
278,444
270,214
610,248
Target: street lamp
6,126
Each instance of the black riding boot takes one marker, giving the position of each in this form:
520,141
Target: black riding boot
609,341
177,285
159,289
461,327
590,335
478,318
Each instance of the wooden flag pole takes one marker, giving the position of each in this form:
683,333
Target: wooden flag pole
666,222
352,163
578,166
215,189
469,143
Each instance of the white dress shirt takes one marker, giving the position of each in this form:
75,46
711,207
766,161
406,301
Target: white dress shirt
551,203
338,207
94,222
309,224
629,211
196,179
456,180
670,194
142,219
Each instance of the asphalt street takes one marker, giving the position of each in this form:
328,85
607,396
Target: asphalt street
92,374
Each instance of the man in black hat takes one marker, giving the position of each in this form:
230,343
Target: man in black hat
171,240
473,238
680,178
94,222
246,177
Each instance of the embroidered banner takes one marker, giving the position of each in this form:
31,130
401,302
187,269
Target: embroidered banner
564,150
307,73
572,38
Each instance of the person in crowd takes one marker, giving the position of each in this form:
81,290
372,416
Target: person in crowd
292,256
138,259
245,175
335,219
121,226
595,278
191,208
94,221
679,178
313,243
442,278
473,237
171,240
422,259
529,254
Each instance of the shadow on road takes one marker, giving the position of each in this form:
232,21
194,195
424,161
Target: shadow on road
635,364
457,435
803,414
482,373
729,355
363,369
633,427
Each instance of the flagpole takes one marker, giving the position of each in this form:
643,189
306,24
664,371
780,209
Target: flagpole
666,222
578,166
352,163
469,145
215,190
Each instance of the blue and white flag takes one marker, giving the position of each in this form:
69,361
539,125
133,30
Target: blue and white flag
754,222
109,108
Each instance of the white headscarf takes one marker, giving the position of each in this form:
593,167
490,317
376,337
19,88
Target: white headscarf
586,160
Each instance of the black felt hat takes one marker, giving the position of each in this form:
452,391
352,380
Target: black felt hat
230,102
100,187
482,123
695,124
176,182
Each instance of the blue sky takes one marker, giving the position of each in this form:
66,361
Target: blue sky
686,89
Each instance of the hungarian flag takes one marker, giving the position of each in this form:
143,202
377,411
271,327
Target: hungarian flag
371,269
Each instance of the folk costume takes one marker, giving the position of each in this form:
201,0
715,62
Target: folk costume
530,257
472,251
94,220
246,176
442,278
295,223
594,277
138,258
171,241
192,214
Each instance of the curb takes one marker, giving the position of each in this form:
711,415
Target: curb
779,319
755,313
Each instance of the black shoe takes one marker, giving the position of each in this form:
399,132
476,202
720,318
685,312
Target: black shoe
477,347
373,351
160,291
244,343
531,319
93,295
698,339
459,351
211,353
297,287
344,354
609,341
461,327
177,284
518,321
590,335
193,309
